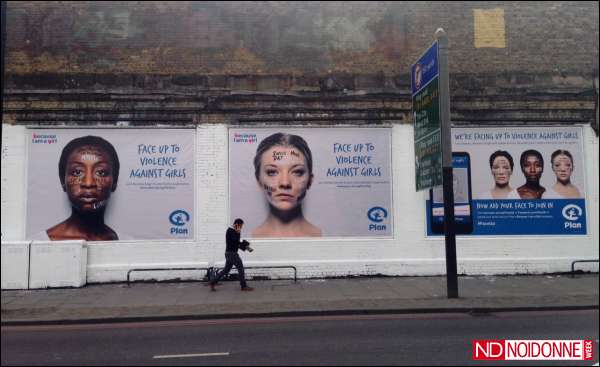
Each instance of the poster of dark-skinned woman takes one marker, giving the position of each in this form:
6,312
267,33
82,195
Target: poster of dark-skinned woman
515,181
110,184
311,182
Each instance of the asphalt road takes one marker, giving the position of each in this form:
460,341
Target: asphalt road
418,339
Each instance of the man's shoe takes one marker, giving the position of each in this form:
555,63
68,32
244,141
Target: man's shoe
247,289
212,288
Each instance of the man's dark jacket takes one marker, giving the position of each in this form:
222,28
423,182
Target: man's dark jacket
232,238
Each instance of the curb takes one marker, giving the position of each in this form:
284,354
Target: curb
473,311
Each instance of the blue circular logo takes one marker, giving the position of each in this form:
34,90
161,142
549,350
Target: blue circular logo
572,212
377,214
177,218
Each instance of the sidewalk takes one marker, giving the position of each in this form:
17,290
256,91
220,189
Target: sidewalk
156,301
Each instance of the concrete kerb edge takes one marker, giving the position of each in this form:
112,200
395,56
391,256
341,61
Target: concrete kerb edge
474,311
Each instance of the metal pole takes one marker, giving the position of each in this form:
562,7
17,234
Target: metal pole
449,229
3,15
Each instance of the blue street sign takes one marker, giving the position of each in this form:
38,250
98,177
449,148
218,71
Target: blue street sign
425,69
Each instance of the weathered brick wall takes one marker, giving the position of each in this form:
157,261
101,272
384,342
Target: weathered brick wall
297,38
148,62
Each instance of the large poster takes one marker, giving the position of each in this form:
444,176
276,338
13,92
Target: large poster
110,184
311,182
515,181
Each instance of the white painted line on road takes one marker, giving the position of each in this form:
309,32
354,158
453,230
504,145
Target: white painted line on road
192,355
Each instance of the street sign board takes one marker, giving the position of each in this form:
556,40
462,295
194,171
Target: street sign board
426,119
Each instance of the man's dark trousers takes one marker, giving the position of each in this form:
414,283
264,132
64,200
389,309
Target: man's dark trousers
232,259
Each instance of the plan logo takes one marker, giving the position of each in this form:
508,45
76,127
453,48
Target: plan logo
179,218
377,215
572,213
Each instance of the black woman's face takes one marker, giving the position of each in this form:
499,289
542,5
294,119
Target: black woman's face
532,168
89,178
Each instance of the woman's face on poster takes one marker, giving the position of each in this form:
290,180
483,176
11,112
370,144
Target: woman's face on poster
89,178
284,177
562,167
501,170
532,168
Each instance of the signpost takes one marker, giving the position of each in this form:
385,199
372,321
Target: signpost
433,144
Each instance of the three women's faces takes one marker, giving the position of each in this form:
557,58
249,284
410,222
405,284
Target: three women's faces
89,178
563,168
501,171
284,176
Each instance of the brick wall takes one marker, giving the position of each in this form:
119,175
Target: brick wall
182,62
296,38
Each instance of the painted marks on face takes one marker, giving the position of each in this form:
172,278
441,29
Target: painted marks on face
99,204
268,189
101,179
84,175
562,161
74,180
90,156
279,155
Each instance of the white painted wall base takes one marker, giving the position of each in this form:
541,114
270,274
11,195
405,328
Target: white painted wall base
58,264
15,265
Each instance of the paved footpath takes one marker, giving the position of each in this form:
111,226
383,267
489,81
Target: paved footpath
155,301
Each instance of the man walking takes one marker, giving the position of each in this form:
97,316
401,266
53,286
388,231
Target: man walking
232,238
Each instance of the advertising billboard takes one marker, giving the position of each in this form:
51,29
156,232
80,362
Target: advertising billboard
515,181
311,182
110,184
